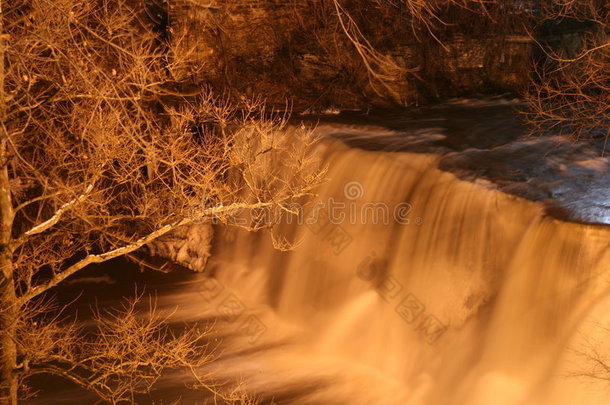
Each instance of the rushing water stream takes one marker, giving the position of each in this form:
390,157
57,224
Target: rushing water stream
409,286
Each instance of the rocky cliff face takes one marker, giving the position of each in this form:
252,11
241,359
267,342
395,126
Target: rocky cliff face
300,51
189,246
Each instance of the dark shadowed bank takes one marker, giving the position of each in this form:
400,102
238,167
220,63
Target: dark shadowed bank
356,54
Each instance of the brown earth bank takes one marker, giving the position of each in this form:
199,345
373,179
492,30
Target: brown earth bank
312,55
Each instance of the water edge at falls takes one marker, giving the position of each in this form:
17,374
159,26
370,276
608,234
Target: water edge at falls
410,284
460,294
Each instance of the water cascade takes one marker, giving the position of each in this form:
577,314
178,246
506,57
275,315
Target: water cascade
409,286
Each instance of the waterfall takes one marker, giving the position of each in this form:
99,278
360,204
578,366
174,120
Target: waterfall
409,286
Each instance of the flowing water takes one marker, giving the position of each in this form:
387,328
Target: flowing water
410,286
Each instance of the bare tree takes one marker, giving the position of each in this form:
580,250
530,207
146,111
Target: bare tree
123,354
571,95
101,153
433,29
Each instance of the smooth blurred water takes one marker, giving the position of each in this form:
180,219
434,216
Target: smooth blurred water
409,286
470,296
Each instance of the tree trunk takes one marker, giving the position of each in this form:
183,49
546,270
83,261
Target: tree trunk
8,299
8,354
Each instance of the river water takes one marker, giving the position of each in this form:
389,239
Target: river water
407,285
